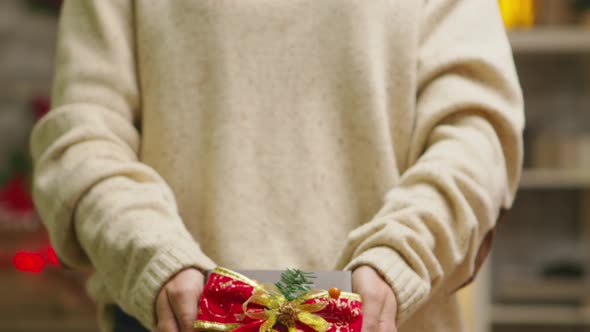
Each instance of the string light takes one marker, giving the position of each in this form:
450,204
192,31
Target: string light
29,262
52,257
517,13
35,262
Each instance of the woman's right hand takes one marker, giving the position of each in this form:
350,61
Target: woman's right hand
176,304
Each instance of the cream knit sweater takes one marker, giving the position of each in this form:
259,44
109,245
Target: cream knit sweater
272,134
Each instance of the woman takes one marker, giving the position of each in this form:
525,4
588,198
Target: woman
379,136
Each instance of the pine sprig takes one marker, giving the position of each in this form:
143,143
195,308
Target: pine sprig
295,283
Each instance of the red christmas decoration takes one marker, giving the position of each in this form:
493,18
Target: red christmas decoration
52,257
29,262
15,196
17,211
41,106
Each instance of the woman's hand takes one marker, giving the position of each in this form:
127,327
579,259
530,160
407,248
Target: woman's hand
379,303
176,305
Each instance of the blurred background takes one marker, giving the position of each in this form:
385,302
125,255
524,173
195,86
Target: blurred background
36,294
537,278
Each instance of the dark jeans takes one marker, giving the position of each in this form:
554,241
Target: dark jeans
126,323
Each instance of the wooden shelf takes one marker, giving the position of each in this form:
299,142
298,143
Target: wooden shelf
553,178
550,40
33,324
556,290
550,315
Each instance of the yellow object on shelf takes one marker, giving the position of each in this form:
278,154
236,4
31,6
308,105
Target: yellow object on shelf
517,13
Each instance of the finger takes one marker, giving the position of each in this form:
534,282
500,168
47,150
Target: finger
165,314
372,308
379,303
183,300
372,305
388,313
373,290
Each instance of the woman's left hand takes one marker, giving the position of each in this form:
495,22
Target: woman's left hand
379,303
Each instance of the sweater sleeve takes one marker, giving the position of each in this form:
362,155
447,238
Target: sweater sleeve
104,209
464,161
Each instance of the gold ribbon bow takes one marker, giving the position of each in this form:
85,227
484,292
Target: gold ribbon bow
277,309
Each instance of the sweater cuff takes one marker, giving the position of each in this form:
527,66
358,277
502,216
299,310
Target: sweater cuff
168,261
409,289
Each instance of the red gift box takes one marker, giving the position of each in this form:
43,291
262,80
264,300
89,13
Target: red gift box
233,302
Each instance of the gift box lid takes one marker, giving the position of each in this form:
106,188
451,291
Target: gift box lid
323,279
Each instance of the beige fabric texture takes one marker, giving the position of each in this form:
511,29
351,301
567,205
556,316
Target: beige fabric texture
272,134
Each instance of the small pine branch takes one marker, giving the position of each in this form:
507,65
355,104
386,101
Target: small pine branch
295,283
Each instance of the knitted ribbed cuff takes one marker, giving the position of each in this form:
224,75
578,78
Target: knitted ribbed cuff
410,290
165,263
